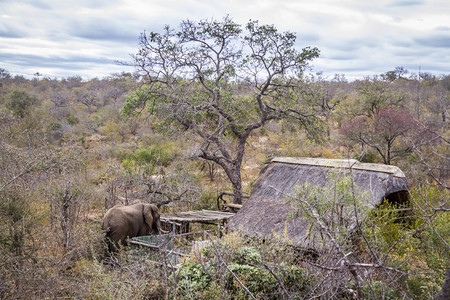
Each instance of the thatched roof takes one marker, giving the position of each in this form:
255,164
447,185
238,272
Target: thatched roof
266,211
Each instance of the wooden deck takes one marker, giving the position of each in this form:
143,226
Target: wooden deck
200,216
179,222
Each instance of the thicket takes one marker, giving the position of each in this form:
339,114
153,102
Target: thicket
67,154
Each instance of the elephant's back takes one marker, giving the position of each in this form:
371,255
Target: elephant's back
114,218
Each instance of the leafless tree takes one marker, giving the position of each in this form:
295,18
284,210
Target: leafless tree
66,204
386,132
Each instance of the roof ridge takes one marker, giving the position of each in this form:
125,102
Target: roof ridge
341,163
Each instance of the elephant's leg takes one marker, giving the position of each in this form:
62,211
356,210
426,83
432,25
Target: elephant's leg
114,241
113,246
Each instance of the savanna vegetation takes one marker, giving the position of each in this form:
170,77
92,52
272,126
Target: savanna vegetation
209,104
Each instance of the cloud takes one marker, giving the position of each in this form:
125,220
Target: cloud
102,29
434,40
8,31
87,67
73,62
353,36
406,3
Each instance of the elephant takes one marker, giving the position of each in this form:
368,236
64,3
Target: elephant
121,222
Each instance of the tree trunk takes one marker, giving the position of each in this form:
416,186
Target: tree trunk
237,191
236,181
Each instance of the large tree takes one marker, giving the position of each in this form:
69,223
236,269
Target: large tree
222,81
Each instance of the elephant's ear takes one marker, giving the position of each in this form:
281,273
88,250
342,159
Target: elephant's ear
148,215
151,216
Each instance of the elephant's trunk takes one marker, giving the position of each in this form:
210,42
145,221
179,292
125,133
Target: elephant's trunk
158,227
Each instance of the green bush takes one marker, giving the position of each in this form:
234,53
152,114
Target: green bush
257,280
147,158
423,286
433,233
17,219
154,154
19,102
192,279
213,292
413,246
54,126
71,120
295,277
113,130
375,289
366,157
247,255
208,200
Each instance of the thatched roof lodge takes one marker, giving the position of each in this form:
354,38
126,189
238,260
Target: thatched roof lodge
265,213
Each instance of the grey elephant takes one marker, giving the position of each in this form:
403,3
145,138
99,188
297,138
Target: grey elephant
121,222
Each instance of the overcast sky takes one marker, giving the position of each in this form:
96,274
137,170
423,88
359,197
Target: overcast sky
356,37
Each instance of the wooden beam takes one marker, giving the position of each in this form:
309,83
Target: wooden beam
233,205
157,248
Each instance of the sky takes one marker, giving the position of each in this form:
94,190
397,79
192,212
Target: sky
357,38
